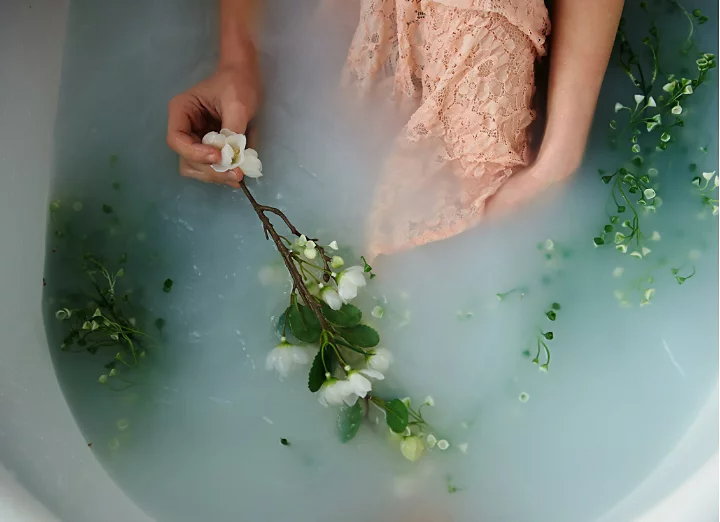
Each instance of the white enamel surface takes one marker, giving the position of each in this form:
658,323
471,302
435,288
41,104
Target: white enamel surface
47,472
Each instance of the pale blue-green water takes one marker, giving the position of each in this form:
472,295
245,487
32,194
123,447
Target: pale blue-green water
197,436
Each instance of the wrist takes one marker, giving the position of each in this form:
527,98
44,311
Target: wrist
237,50
559,160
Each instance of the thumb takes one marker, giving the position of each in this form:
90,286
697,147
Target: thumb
235,116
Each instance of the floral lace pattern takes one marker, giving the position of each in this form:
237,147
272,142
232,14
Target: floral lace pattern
467,69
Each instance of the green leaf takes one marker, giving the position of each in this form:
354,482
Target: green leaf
160,323
348,422
316,378
284,442
107,208
367,268
167,285
361,335
281,326
348,315
397,415
598,241
303,323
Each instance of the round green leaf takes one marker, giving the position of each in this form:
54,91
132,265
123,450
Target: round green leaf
348,422
397,415
316,378
348,315
303,323
283,326
361,335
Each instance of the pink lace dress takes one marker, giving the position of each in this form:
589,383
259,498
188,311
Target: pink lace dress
467,69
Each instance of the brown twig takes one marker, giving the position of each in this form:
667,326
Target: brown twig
298,282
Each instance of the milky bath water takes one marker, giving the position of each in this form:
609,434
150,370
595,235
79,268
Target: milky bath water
196,432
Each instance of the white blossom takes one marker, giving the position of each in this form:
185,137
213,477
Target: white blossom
649,193
285,357
677,109
359,385
708,175
380,360
622,248
337,262
655,236
670,86
251,164
333,392
651,102
636,254
443,444
618,272
429,401
688,89
349,281
619,106
645,251
310,251
463,447
333,245
231,147
331,297
639,98
377,312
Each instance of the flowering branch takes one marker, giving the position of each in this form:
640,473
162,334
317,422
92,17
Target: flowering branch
346,360
285,252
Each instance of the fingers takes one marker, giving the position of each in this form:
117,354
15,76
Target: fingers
206,174
180,137
235,115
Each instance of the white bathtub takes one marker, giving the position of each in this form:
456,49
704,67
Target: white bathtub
46,470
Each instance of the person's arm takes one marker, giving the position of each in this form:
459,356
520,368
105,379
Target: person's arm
228,99
582,38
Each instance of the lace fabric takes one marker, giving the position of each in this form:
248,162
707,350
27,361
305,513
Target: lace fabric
466,67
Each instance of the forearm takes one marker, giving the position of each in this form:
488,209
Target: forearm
582,39
237,23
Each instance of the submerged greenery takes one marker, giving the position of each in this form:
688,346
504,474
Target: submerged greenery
102,309
646,127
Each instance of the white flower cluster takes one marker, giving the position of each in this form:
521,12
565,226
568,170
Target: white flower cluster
232,147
